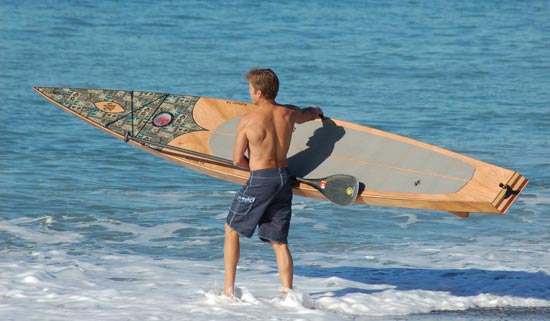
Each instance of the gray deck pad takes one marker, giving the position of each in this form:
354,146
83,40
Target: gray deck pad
321,149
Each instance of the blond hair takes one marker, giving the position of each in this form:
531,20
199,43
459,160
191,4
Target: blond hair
265,80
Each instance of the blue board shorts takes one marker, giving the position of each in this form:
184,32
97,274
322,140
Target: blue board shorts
264,201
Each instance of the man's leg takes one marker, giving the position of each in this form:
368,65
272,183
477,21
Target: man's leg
231,253
285,265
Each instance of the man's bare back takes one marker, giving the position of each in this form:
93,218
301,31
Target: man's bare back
266,133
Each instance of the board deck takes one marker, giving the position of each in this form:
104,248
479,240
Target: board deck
394,170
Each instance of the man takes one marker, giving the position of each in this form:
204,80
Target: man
266,198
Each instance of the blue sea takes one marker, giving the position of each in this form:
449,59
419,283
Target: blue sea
94,229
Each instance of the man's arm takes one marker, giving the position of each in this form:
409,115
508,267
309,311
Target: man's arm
241,145
307,114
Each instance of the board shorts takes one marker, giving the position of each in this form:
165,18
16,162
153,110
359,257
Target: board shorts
264,201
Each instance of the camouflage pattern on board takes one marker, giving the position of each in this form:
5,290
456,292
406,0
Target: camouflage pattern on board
154,117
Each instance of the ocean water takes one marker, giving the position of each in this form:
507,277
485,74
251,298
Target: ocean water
91,228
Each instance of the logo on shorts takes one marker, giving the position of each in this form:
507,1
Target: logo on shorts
246,199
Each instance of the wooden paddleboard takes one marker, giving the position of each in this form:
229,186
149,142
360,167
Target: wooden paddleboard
393,170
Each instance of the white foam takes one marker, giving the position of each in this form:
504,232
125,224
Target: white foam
405,276
411,219
57,285
241,296
145,234
39,233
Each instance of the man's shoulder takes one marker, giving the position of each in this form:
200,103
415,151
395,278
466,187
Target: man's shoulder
289,110
251,118
245,119
291,107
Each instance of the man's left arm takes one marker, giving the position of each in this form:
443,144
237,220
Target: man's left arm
309,113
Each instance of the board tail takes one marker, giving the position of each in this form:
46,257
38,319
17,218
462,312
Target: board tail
510,192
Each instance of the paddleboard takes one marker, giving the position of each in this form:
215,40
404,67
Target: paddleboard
392,170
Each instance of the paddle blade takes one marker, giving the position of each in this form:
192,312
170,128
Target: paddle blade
340,189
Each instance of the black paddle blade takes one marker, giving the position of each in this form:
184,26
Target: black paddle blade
340,189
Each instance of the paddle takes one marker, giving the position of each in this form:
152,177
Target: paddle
340,189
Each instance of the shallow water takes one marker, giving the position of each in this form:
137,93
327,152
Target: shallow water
91,227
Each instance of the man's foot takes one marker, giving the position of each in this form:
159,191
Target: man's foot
232,295
296,298
285,293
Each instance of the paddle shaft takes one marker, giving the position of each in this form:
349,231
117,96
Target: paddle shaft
217,159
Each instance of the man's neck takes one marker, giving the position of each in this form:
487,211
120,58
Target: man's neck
266,103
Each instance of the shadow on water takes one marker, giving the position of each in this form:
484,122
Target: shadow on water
320,146
458,282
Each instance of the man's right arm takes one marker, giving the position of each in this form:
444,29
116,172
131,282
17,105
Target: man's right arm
240,147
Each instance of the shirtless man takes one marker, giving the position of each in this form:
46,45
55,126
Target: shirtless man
266,198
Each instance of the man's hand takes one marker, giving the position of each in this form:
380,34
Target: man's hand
318,111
